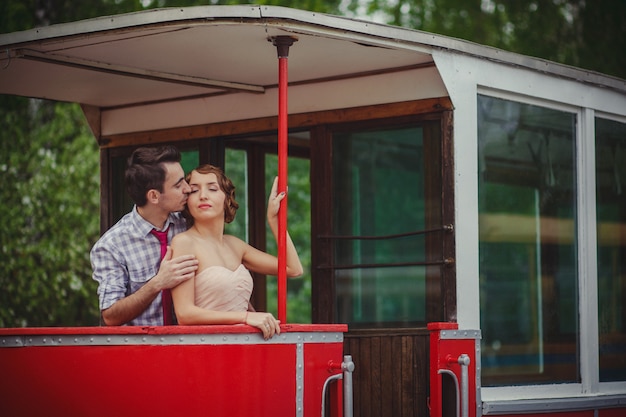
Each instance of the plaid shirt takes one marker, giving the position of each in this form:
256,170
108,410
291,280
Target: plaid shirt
126,257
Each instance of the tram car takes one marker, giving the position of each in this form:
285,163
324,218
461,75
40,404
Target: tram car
467,218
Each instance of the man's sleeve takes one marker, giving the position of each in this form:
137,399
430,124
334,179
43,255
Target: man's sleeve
111,273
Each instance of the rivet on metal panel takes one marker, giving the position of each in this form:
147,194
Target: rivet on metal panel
181,339
108,340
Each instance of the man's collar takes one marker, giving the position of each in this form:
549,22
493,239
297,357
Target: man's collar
144,226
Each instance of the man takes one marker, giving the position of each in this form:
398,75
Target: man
126,260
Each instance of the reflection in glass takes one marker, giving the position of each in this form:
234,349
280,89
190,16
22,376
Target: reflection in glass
380,189
611,217
527,233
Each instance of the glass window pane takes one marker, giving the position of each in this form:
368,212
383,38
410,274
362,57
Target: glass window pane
611,217
236,170
380,189
527,234
299,226
121,201
189,160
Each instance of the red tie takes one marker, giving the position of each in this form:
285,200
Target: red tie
166,295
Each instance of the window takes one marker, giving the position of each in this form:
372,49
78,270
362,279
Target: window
235,169
611,234
299,226
527,243
387,224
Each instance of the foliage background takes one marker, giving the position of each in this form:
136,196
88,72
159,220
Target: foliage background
49,172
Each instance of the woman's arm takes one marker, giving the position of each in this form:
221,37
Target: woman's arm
294,266
188,313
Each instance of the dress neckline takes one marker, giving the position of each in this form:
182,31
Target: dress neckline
222,267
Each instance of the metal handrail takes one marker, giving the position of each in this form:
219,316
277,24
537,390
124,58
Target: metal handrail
462,389
347,366
456,386
447,261
443,228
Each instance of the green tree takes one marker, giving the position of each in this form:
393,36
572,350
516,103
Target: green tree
586,34
49,171
49,214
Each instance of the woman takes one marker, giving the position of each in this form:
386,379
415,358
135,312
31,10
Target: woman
220,291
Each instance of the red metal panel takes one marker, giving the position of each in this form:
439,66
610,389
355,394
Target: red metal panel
443,356
615,412
317,359
166,330
564,414
168,372
109,381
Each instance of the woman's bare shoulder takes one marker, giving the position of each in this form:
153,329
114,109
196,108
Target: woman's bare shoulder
233,240
182,237
183,241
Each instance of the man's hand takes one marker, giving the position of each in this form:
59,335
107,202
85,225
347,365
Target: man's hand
171,273
175,271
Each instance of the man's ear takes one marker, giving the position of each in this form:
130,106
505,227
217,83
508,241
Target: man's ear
153,196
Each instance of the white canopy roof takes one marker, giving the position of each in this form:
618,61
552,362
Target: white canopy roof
207,63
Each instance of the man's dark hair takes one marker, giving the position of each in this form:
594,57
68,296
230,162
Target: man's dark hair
145,171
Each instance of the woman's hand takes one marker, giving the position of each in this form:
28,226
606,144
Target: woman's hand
273,203
265,322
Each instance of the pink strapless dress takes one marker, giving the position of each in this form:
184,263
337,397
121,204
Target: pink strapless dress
219,288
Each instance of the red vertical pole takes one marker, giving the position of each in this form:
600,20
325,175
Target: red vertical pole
282,44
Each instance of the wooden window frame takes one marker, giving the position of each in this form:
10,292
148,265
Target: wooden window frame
441,306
